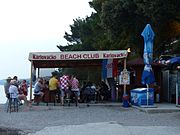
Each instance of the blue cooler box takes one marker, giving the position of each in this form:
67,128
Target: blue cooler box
139,96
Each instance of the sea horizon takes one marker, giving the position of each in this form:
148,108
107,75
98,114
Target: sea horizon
3,98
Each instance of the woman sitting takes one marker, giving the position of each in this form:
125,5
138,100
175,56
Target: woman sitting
24,88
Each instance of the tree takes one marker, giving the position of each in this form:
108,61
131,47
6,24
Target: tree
125,19
117,24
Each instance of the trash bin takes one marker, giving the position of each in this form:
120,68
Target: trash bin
125,100
139,96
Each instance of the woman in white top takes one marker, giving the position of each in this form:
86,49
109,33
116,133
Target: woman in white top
14,93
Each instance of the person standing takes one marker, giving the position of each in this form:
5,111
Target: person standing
75,88
53,86
6,86
64,87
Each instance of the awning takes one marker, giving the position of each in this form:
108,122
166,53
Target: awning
73,59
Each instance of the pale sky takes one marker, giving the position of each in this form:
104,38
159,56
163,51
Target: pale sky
32,26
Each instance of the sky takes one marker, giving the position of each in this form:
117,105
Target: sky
34,26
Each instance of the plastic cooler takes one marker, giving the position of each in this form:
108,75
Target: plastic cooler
139,96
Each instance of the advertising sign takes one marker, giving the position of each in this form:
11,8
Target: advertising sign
77,55
124,77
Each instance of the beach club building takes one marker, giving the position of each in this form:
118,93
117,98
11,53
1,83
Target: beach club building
76,59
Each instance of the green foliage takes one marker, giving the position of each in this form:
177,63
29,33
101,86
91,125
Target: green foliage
86,34
117,24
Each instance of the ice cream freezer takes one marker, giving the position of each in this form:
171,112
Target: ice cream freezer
139,96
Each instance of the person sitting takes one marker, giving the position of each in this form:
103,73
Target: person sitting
38,91
88,91
24,87
104,91
93,92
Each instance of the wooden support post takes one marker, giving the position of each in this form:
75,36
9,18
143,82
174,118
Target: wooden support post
124,70
38,72
31,81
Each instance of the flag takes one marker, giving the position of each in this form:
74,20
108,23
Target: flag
109,68
104,69
115,67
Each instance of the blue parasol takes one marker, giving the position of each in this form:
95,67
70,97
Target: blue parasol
147,75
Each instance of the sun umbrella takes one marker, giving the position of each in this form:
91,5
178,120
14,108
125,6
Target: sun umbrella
148,76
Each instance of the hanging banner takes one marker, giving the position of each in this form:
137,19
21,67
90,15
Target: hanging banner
124,77
109,67
78,55
104,69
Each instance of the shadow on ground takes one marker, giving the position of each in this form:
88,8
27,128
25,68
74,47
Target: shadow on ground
7,131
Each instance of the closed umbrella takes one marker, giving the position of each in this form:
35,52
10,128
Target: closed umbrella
147,75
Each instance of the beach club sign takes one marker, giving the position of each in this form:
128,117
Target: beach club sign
77,55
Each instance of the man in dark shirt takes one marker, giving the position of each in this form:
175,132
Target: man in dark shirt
6,86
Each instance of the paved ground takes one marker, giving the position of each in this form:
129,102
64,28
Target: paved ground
110,128
99,120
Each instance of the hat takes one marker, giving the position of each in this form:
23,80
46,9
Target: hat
54,73
9,78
